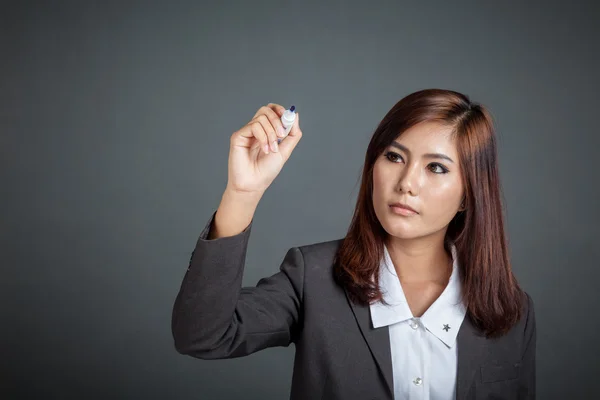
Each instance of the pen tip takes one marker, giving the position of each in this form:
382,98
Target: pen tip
292,108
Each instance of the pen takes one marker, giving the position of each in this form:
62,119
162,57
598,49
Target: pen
287,119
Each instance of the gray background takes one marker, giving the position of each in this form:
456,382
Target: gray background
115,126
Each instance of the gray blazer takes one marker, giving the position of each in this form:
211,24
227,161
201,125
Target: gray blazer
339,355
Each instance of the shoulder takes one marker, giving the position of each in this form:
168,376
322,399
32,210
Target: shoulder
528,302
317,258
528,316
524,329
519,340
527,338
321,250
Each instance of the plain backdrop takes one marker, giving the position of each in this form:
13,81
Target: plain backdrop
115,125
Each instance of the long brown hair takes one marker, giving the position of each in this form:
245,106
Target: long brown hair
490,291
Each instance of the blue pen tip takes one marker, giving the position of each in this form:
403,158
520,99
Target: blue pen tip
292,108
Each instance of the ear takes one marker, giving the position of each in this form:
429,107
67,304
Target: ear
462,205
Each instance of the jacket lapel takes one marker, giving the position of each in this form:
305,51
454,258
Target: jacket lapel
471,352
378,340
471,349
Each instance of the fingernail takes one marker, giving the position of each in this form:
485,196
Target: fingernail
280,132
274,146
266,148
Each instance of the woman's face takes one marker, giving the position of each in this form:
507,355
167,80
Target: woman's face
420,169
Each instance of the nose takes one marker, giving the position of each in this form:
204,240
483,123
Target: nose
409,180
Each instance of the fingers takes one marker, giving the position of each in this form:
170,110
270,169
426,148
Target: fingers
273,113
270,131
270,118
275,119
260,134
279,109
266,128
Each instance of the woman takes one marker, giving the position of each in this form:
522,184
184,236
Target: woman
417,301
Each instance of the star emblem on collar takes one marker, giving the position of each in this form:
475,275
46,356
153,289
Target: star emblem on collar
446,327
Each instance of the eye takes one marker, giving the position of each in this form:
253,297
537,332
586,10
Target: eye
390,155
438,168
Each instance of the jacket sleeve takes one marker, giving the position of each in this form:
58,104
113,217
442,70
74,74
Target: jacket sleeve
527,378
214,317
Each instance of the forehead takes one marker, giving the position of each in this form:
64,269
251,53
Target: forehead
429,137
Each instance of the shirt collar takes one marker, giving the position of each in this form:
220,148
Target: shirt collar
443,318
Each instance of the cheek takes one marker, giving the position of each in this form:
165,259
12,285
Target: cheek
378,194
379,182
443,197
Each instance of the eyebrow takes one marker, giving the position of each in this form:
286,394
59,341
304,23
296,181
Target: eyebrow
428,155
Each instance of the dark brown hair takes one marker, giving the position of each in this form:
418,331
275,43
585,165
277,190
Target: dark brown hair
490,291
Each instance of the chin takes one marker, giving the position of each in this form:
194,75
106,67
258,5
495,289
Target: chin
403,236
401,230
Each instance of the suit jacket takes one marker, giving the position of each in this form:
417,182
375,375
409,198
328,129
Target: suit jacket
339,355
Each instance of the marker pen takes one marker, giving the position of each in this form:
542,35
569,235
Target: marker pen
287,119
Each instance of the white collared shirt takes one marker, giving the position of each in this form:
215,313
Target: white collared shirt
424,352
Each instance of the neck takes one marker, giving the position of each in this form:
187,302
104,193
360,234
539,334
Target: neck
420,260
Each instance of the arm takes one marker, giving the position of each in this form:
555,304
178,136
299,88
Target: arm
214,317
527,378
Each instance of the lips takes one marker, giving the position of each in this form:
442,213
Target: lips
404,207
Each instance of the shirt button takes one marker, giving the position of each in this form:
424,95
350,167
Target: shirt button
418,381
414,324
